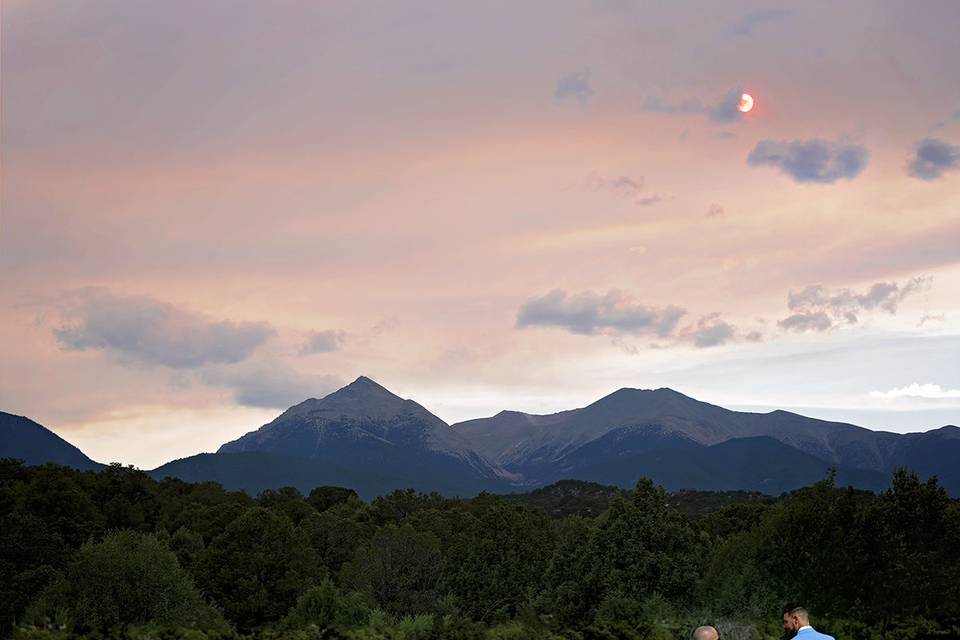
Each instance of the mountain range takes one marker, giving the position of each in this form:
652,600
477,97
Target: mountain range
366,438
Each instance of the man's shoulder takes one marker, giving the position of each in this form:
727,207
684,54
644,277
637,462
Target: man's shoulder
813,634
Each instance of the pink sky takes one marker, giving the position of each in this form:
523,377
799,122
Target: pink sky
210,212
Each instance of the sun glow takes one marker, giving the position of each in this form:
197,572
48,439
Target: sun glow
746,103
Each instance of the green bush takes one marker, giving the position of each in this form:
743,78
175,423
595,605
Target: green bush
127,578
324,606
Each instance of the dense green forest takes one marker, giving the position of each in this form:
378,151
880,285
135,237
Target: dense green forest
118,554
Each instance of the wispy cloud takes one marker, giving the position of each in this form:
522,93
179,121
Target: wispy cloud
816,308
931,317
933,158
818,161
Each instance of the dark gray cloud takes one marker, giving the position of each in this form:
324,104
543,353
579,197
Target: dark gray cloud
324,342
146,331
816,308
615,314
589,313
746,25
934,157
270,385
723,110
813,160
575,85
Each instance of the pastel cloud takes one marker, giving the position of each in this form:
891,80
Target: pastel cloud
816,308
147,331
933,158
815,160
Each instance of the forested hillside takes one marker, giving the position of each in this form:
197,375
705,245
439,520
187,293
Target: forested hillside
117,552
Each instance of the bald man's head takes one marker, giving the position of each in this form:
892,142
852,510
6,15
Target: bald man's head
706,633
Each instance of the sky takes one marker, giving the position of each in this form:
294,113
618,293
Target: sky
212,211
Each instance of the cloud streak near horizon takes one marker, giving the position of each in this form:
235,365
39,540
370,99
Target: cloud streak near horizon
915,390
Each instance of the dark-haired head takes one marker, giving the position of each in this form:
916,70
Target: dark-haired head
795,615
